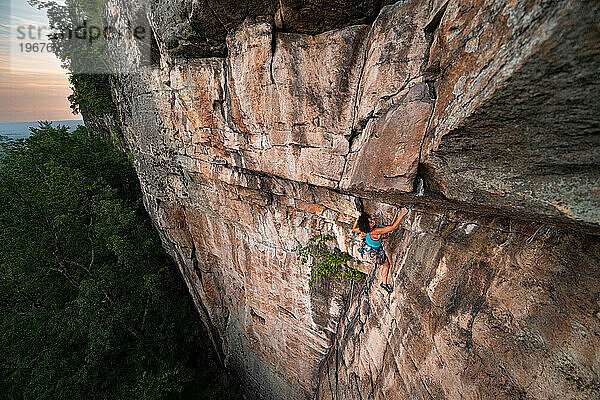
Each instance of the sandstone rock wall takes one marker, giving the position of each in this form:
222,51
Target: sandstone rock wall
481,309
514,124
258,128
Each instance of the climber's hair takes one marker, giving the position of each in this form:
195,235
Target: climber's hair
363,223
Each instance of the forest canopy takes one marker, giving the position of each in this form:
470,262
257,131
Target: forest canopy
90,305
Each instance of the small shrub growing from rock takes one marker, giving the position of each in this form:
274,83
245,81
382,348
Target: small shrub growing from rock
325,260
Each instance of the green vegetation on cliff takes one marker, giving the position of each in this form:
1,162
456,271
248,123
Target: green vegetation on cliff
91,92
326,261
90,305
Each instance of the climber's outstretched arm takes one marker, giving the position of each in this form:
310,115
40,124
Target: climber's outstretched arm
393,227
355,227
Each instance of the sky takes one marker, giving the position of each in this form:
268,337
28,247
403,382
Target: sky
33,86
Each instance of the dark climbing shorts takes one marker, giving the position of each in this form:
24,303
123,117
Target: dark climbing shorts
374,254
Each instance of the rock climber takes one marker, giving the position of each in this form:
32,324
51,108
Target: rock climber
372,243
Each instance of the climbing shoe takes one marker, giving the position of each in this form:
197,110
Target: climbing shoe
387,287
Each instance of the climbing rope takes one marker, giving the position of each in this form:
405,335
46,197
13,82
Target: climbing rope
339,330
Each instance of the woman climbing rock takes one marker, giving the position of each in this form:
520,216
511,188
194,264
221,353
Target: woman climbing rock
372,244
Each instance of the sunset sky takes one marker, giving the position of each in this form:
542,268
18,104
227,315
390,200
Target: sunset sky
33,86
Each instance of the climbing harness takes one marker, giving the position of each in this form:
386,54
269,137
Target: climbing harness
376,254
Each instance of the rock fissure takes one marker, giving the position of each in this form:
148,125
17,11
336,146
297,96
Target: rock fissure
380,372
288,312
354,131
206,319
358,84
414,365
273,50
357,386
431,75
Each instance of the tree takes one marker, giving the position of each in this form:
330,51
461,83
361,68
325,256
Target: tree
90,305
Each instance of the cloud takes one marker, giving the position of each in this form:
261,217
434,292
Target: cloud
20,21
35,103
34,96
32,86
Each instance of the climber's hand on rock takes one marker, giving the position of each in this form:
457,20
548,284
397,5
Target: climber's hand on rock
401,214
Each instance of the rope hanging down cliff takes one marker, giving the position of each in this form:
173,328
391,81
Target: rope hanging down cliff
339,330
374,249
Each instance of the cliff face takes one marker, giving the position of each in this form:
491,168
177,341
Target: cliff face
258,127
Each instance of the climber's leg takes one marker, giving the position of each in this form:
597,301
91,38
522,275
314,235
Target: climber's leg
385,267
384,271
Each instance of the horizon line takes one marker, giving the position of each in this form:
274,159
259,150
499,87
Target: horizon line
40,120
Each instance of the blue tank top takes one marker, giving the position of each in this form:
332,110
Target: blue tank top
371,242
